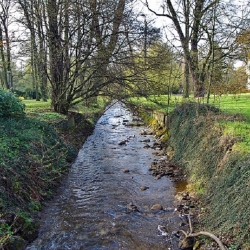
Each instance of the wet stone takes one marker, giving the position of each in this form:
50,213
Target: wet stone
143,188
156,207
122,142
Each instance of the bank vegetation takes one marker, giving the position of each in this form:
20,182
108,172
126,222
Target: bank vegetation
212,146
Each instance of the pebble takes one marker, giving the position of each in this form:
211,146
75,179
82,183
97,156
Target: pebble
157,207
143,188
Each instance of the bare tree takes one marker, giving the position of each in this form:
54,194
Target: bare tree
203,26
190,14
34,20
5,6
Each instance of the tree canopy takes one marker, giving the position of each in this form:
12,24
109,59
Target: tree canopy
80,49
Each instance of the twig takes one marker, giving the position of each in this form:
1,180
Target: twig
190,223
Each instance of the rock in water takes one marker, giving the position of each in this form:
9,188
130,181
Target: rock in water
122,142
187,243
157,207
143,188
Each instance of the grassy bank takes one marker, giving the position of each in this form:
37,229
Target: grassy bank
36,152
213,146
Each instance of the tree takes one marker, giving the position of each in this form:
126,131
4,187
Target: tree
5,42
163,71
190,13
200,24
82,38
35,21
243,39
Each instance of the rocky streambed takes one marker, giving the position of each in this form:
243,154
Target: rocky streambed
116,195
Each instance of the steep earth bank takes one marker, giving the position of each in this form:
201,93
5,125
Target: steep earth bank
217,171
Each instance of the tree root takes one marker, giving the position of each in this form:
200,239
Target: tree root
210,235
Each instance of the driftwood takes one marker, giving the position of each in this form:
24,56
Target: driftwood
193,235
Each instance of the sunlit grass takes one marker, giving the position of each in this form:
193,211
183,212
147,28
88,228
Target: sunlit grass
33,105
233,104
229,104
43,110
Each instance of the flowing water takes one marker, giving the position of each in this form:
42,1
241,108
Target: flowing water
93,210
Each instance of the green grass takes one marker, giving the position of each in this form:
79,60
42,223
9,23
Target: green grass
233,104
238,105
34,105
44,112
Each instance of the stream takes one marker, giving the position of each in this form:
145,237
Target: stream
101,204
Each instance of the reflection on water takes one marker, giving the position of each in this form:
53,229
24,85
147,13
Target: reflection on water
180,186
92,209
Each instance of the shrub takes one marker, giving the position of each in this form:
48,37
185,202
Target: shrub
10,105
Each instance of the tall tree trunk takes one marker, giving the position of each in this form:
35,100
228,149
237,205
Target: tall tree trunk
4,69
186,6
58,97
194,62
42,55
9,72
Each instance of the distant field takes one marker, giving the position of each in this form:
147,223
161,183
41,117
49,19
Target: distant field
229,103
43,110
234,104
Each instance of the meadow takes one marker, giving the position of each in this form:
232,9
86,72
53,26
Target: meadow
236,105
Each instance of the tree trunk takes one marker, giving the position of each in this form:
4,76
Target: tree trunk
194,63
4,69
186,80
41,59
58,96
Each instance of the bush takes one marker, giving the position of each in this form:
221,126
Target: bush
10,105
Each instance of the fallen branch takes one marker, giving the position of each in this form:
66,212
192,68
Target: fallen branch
189,237
212,236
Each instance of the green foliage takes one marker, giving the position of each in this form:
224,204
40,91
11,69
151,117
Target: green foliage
34,158
5,230
35,206
158,73
10,106
164,73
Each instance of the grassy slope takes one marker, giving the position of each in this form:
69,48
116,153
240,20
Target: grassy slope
36,152
214,148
